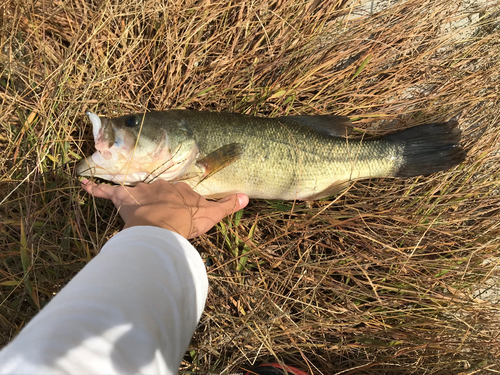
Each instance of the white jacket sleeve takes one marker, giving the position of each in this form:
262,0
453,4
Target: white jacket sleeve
132,309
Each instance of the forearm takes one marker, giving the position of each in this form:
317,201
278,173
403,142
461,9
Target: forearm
132,309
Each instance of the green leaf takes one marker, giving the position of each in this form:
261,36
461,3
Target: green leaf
237,216
362,66
10,283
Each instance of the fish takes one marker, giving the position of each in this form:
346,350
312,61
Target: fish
283,158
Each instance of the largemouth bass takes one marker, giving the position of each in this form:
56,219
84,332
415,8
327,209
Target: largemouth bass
294,157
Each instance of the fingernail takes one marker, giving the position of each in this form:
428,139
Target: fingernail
242,199
84,181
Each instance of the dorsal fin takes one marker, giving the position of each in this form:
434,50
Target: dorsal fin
332,125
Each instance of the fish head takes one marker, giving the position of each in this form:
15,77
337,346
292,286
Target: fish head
138,148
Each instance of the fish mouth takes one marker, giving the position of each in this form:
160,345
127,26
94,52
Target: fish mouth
106,158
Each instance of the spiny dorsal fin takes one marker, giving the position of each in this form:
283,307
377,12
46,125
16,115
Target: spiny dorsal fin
220,158
332,125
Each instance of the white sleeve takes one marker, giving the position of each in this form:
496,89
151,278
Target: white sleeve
132,309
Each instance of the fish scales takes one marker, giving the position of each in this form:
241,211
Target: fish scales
296,157
283,159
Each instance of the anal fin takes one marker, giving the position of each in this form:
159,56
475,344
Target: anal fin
330,190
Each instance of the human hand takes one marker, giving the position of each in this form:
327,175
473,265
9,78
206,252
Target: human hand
175,207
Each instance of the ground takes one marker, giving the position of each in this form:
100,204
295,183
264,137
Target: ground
389,276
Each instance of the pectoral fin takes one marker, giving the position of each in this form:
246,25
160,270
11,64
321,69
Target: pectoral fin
219,159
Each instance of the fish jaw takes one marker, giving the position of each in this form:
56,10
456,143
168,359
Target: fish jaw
128,172
87,167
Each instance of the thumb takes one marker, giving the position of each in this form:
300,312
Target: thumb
233,203
216,211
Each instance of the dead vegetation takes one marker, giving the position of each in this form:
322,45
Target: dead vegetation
391,276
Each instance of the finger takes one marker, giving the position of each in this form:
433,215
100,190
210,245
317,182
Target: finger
232,203
99,191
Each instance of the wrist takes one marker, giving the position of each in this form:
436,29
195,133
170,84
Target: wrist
138,222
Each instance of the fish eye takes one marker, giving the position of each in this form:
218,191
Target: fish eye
132,121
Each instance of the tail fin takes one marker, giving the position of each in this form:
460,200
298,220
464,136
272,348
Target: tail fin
429,148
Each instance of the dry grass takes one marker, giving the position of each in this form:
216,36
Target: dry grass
383,279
